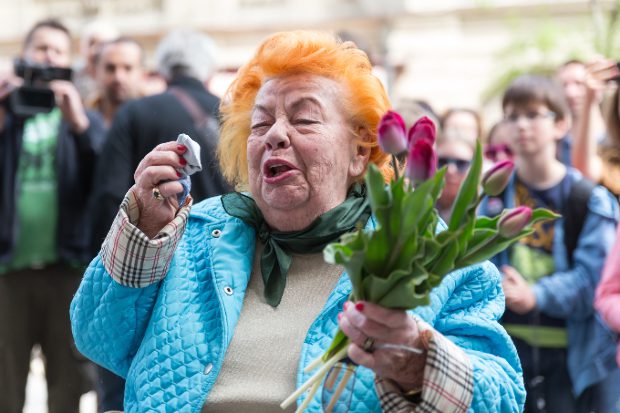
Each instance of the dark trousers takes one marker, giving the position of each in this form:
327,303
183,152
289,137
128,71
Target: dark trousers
549,387
110,390
34,309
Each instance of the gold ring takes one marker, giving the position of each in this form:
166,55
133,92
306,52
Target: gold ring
157,194
369,345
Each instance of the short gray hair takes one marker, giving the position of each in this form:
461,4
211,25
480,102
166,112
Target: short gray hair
186,52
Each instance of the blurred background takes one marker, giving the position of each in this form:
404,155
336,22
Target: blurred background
446,52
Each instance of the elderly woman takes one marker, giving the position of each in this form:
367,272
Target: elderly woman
221,308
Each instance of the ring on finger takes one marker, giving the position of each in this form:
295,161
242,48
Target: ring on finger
157,194
369,345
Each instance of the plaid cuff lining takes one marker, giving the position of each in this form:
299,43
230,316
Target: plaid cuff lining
129,256
448,381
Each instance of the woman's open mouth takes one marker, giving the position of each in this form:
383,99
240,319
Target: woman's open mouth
276,170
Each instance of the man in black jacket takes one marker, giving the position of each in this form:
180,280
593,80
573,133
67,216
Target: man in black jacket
46,169
185,60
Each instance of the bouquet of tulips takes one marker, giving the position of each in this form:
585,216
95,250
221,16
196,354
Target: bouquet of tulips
397,264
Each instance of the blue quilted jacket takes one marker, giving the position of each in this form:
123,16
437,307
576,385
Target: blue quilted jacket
169,339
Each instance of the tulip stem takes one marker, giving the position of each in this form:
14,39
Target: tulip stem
308,400
395,167
480,246
315,377
341,386
314,364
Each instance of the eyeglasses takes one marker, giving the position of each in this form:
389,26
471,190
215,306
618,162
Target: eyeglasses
530,116
492,152
337,390
462,165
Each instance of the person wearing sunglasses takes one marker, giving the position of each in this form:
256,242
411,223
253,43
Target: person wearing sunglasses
220,306
461,123
456,153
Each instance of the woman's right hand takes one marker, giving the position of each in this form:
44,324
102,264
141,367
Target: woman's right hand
159,170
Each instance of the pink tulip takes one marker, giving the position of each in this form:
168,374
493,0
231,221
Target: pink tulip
495,179
513,221
421,161
424,128
392,133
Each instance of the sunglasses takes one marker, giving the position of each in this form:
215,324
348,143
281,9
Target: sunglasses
491,152
462,165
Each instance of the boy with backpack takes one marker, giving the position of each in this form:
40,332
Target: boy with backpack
567,353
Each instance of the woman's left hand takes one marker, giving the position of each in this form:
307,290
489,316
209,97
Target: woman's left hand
368,324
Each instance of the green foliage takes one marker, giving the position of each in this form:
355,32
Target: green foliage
542,48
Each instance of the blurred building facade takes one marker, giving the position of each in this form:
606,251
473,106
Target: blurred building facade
442,51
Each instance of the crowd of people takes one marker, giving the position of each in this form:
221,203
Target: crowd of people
217,301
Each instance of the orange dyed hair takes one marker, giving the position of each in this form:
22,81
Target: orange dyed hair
295,52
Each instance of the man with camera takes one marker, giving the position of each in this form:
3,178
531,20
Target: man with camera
48,144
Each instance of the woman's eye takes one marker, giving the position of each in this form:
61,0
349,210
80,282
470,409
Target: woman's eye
260,125
306,121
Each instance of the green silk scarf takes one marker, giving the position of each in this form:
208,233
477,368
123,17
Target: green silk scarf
276,257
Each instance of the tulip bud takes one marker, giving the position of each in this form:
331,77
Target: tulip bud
392,133
424,128
495,179
513,221
421,161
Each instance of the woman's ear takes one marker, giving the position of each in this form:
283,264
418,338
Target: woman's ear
360,153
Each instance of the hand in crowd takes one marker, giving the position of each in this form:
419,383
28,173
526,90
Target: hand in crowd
7,85
158,171
365,322
70,103
520,297
598,74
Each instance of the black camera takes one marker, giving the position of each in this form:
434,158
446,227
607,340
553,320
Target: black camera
35,96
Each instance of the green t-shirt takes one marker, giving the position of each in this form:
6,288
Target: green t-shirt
37,197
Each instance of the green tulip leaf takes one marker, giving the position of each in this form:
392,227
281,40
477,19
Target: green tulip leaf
480,236
490,250
540,214
486,222
381,290
431,248
378,193
444,262
378,248
338,342
468,191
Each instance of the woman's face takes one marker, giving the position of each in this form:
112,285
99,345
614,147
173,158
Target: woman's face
461,125
302,156
456,154
498,148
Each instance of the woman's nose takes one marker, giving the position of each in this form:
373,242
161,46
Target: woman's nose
277,137
452,169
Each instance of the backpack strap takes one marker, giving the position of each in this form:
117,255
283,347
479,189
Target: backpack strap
198,114
575,212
